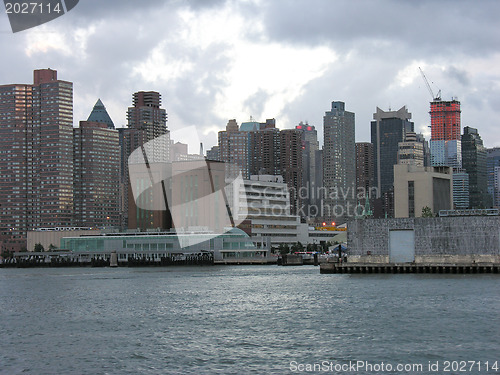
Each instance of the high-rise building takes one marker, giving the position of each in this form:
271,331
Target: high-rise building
493,166
339,164
233,150
264,151
15,150
50,160
445,145
147,121
36,167
310,146
474,163
364,170
100,114
388,129
96,175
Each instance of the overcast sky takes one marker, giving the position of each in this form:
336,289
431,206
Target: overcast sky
217,60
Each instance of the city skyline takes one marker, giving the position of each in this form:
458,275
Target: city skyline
268,67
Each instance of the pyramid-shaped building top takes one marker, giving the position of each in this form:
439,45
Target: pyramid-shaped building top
99,114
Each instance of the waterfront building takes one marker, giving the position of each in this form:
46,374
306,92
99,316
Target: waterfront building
100,114
147,121
474,162
339,164
234,244
96,184
264,201
416,187
36,167
492,167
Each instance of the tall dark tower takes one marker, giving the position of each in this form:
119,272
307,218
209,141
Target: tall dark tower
474,162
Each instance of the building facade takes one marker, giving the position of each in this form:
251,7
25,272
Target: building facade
416,187
411,151
264,201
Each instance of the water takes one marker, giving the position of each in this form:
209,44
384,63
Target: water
241,320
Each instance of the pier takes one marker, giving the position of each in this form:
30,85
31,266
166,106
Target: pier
392,268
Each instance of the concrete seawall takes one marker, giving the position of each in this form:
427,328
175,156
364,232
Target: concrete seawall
442,240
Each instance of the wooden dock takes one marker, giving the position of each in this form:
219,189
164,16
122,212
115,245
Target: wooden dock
359,268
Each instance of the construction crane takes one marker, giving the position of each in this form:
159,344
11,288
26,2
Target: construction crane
438,96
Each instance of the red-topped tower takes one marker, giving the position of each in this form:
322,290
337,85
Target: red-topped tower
445,120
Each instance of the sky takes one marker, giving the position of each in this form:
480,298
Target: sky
217,60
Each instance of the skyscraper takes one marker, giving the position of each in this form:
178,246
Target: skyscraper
36,167
96,175
147,121
339,164
387,131
474,163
